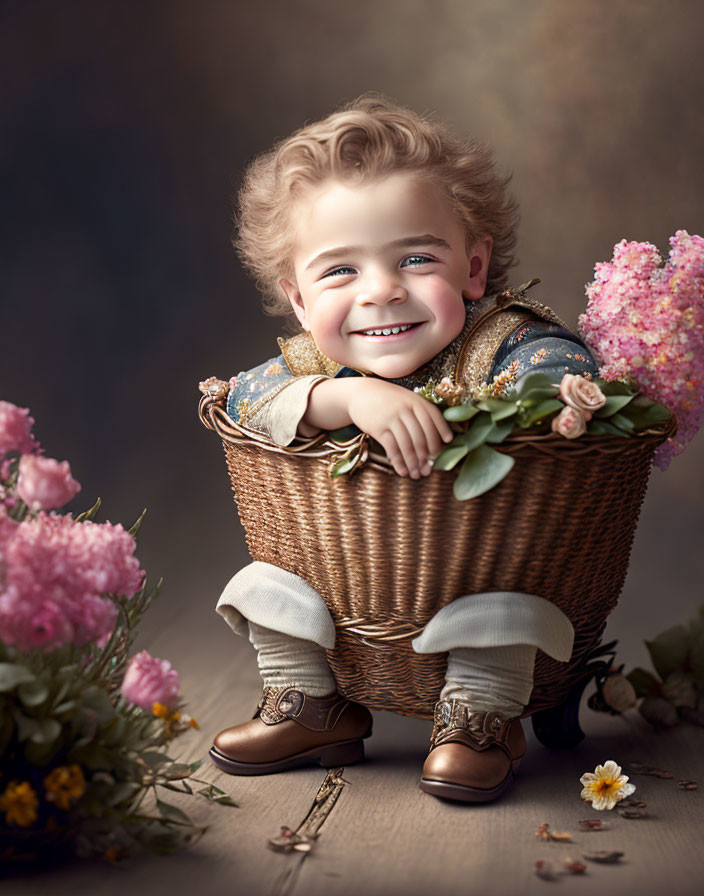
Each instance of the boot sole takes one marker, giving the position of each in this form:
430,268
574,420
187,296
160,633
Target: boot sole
344,753
464,794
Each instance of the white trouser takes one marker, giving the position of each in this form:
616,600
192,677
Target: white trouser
491,637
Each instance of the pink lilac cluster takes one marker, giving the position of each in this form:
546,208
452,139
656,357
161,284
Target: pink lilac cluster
54,573
645,320
16,430
44,483
149,680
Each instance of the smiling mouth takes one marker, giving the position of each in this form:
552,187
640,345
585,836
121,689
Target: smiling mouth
387,331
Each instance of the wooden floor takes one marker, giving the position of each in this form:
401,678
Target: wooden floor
384,836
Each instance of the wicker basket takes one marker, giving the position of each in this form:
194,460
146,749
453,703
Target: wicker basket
386,553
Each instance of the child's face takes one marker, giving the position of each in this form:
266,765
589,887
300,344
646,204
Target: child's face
386,255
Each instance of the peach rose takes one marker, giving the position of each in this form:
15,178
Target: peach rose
581,394
569,423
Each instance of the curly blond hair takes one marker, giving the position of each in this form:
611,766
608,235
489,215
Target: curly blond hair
364,140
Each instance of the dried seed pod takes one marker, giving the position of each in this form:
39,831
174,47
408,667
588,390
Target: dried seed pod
687,785
605,856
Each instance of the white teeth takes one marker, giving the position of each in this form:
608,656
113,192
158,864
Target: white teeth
387,332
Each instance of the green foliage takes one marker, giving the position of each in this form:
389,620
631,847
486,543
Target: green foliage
482,469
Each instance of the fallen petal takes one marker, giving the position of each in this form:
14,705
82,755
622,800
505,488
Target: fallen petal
592,824
574,866
545,869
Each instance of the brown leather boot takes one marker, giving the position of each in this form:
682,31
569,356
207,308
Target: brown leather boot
290,729
473,755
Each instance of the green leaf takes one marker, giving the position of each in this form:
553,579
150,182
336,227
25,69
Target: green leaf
45,731
668,651
33,693
498,409
346,434
543,409
340,467
613,404
613,387
477,433
172,813
137,524
12,674
482,469
534,381
154,759
460,412
99,701
603,427
226,801
194,766
91,514
499,431
622,422
177,770
450,456
644,682
644,415
535,387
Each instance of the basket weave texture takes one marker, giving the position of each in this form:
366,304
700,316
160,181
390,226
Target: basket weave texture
386,553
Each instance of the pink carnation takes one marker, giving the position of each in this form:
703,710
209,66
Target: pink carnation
55,573
645,319
44,483
16,430
149,680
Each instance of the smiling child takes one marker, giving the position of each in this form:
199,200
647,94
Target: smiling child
389,238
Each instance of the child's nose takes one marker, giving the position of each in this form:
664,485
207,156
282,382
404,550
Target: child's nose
381,289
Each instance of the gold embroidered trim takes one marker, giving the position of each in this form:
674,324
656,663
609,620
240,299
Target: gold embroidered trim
479,353
303,356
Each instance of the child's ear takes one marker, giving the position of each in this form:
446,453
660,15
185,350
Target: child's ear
294,296
478,269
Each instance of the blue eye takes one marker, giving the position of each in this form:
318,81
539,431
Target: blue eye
342,269
416,260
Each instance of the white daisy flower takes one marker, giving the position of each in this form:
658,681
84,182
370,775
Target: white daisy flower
606,786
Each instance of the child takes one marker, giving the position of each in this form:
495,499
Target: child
388,238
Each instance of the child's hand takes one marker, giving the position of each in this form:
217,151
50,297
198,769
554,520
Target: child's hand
409,428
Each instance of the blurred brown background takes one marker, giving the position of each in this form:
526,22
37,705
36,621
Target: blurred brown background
125,130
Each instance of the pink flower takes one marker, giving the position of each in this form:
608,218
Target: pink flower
569,423
7,528
149,680
16,430
645,319
44,483
581,394
53,565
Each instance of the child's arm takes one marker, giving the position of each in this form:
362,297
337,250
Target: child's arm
410,429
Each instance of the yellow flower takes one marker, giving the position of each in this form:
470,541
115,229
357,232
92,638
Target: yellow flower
192,722
19,802
160,710
606,786
65,785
